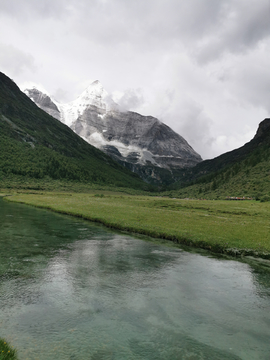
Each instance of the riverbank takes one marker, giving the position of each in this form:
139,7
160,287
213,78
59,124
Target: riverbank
7,352
227,227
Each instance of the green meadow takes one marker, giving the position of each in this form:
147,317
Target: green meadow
222,226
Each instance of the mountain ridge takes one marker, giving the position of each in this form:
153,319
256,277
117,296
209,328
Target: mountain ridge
141,143
36,145
241,172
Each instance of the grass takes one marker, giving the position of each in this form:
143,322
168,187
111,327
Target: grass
249,182
242,172
12,183
38,149
6,351
233,227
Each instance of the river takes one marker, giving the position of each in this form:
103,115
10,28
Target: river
71,289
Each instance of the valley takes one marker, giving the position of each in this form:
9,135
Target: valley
134,180
171,221
41,155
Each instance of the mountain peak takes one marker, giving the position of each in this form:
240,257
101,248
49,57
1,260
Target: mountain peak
263,126
43,148
95,86
95,89
141,143
30,86
96,82
95,95
43,100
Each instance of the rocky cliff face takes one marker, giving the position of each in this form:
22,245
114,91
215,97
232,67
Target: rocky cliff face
44,102
135,139
142,143
263,126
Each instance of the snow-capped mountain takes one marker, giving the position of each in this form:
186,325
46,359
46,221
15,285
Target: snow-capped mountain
142,143
67,113
94,95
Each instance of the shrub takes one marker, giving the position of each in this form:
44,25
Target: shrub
265,198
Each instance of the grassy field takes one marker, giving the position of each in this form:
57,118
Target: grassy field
220,225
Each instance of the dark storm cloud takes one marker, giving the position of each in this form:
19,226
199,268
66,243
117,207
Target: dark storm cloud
147,24
208,28
243,25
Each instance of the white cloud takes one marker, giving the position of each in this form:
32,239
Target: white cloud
131,99
201,66
14,60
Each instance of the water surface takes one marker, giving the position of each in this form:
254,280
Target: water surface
70,289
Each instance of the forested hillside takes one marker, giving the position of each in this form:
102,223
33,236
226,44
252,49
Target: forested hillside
34,145
241,172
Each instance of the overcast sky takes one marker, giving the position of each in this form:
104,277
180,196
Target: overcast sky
200,66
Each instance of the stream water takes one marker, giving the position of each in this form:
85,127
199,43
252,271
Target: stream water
71,289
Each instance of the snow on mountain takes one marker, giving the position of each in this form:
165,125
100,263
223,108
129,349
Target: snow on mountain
43,100
132,139
94,95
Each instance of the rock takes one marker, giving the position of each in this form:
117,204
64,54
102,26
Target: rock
143,144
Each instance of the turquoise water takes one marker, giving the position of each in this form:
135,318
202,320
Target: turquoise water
70,289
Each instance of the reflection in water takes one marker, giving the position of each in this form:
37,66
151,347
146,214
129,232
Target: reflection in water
70,289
